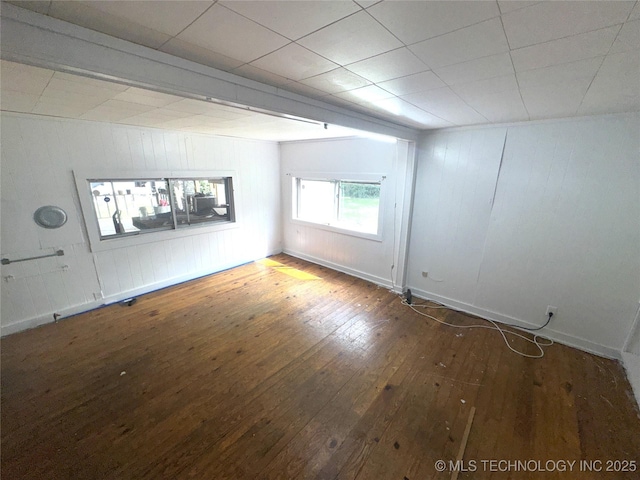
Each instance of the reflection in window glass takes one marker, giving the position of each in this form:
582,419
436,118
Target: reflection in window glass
130,206
202,200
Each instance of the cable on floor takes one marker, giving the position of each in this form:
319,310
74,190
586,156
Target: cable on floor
493,326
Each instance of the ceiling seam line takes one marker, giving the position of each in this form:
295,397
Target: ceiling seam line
192,22
568,36
599,68
515,73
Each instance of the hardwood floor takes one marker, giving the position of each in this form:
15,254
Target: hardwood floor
256,373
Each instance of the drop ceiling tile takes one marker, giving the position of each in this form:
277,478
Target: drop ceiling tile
387,66
201,55
413,22
6,65
500,107
180,123
628,38
295,62
152,116
188,105
17,101
407,113
367,3
335,81
565,50
563,73
162,16
554,100
616,87
105,114
444,103
621,64
228,33
128,107
546,21
474,70
293,19
81,100
172,113
59,88
147,97
57,109
412,83
87,16
480,40
510,5
230,114
476,90
259,75
351,39
370,93
24,79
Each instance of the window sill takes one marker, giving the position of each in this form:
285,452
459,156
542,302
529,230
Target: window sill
157,236
376,237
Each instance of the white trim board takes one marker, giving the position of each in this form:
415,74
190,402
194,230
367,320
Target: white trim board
383,282
559,337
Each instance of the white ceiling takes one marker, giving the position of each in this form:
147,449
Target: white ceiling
28,89
424,64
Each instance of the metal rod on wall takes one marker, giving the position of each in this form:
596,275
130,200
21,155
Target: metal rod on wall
6,261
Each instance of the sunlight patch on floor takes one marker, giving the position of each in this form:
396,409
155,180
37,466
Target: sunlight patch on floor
292,272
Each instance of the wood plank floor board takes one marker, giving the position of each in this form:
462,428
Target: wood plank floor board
328,428
343,322
253,373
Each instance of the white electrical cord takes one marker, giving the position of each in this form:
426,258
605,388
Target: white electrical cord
493,326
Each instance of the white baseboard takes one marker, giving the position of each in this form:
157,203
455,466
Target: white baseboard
383,282
34,322
43,319
560,337
170,282
631,363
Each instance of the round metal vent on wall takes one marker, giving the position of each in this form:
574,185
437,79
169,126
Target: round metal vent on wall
50,216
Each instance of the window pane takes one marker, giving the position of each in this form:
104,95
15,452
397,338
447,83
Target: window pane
359,206
202,200
128,206
316,201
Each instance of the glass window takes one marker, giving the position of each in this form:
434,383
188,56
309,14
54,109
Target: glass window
349,205
130,207
200,200
359,206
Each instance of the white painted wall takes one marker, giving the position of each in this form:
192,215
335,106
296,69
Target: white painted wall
563,230
38,156
365,258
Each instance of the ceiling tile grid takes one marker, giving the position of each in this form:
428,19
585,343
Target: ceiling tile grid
424,64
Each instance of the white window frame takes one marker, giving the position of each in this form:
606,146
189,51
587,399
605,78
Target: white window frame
340,177
98,244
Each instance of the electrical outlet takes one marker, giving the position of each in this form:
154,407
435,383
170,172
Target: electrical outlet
552,309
